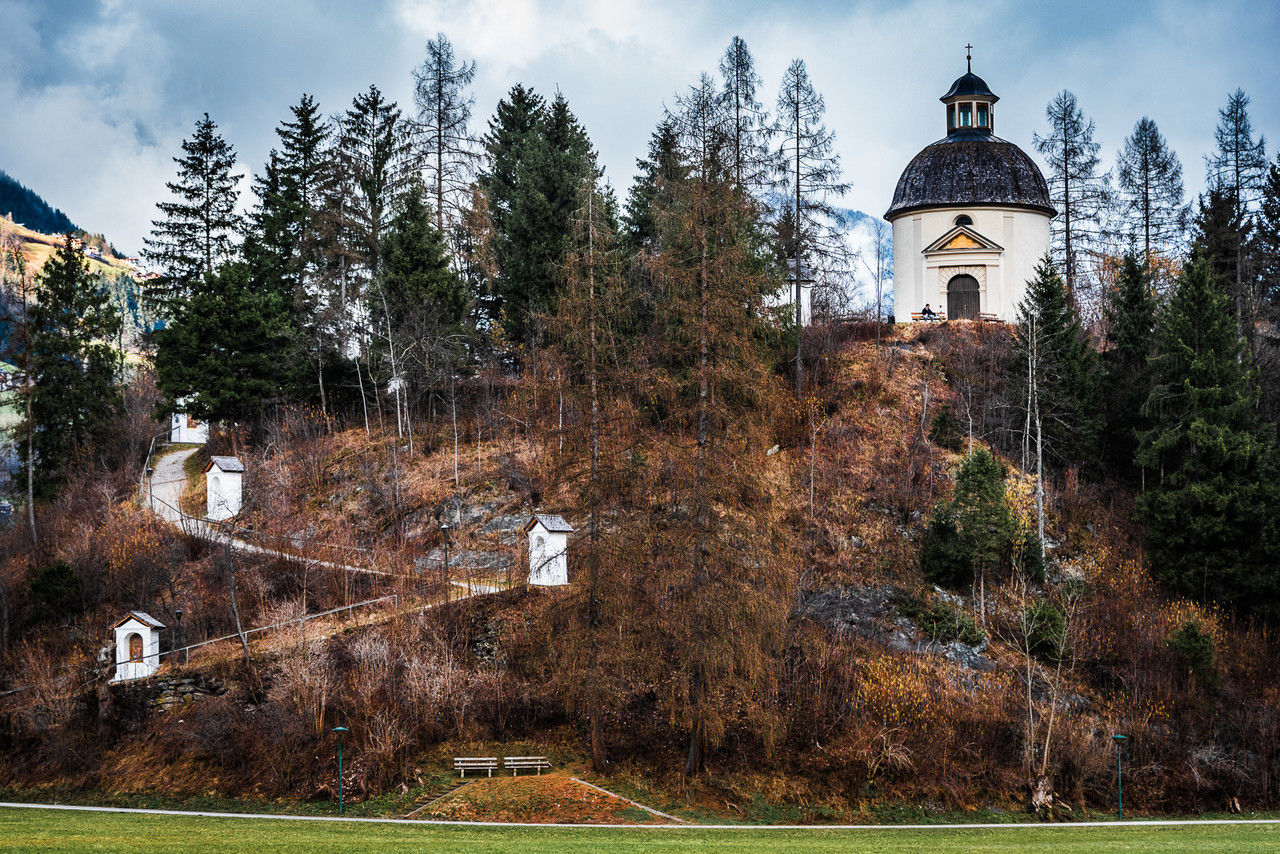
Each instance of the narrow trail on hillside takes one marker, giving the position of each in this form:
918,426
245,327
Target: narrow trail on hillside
164,495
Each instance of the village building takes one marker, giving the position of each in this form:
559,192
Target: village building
970,216
137,646
186,430
224,482
548,550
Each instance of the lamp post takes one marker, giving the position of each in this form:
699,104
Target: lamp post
177,613
339,730
1119,740
444,529
151,495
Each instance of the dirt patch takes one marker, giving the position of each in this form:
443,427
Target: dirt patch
551,797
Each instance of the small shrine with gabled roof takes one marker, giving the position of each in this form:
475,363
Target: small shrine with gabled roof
548,550
224,483
137,638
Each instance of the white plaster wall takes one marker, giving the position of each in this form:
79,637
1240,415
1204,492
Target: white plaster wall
1023,234
222,494
786,296
180,432
548,557
126,669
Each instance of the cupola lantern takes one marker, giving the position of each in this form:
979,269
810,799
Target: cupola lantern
970,102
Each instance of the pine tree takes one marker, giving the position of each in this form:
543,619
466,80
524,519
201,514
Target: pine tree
1212,514
71,394
749,127
809,172
1079,192
1131,316
1149,179
198,230
449,152
416,276
1063,384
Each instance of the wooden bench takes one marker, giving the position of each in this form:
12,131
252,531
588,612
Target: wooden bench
918,317
990,318
463,764
516,763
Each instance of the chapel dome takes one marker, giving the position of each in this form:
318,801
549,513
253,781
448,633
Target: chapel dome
968,169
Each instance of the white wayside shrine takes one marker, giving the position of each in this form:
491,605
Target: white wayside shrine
970,217
137,646
548,550
185,430
223,479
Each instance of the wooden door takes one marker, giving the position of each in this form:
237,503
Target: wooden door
962,298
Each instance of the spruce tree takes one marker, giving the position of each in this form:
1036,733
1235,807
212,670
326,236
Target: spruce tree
1149,180
198,230
1079,191
71,393
1212,504
1131,315
1064,381
222,351
1267,240
659,171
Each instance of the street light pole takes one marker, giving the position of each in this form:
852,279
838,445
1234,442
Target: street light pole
181,645
1119,740
339,730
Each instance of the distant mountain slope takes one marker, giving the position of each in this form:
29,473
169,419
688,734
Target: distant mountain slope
27,207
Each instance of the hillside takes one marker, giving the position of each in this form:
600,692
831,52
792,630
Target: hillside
884,688
27,207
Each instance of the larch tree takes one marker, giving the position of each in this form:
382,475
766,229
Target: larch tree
198,229
721,566
71,396
808,169
1149,183
448,151
1079,191
750,162
1237,170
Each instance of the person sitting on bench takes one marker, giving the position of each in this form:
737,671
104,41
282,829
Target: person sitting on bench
928,312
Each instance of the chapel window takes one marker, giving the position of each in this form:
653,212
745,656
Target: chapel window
965,115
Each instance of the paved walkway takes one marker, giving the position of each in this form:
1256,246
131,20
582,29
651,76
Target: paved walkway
164,495
1137,825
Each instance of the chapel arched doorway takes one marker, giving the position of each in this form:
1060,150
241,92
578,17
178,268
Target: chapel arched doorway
135,647
962,298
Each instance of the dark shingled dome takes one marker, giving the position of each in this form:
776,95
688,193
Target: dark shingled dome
970,84
971,170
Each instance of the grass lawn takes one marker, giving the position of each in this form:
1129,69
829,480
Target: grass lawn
48,830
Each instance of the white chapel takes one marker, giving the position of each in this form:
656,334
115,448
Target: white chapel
970,216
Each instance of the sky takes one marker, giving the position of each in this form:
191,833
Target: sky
97,95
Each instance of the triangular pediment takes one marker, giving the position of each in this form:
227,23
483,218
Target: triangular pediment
962,238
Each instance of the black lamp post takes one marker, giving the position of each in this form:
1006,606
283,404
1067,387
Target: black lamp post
177,613
151,496
1119,740
339,730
